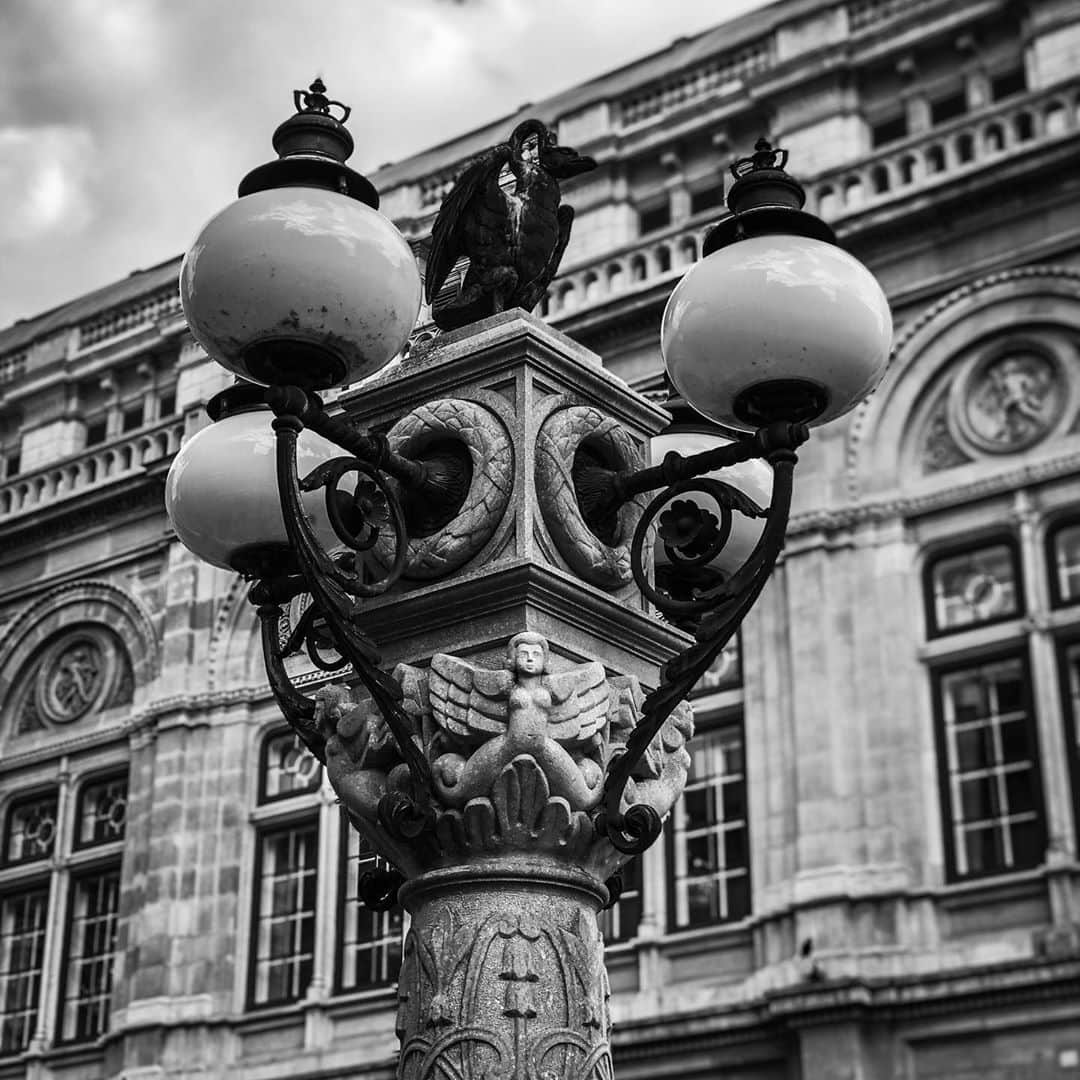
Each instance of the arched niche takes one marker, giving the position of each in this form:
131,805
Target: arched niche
986,378
80,650
235,655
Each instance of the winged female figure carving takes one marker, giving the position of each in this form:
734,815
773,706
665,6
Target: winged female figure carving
514,238
490,717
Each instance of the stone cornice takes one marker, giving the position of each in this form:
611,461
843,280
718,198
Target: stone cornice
492,347
1017,985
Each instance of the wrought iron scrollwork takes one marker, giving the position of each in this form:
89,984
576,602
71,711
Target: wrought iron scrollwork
332,621
691,540
330,628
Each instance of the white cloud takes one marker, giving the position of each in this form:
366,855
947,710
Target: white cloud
45,174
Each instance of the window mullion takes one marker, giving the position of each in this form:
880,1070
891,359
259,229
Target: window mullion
56,919
322,977
1049,722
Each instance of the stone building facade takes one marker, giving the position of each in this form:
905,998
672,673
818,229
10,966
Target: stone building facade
875,872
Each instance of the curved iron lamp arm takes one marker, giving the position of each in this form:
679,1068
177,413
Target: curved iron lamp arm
330,588
721,611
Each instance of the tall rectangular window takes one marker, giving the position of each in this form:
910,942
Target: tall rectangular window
370,944
22,947
95,905
285,913
620,921
991,782
709,840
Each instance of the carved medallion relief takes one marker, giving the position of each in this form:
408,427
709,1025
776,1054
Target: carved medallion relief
999,399
77,673
1012,400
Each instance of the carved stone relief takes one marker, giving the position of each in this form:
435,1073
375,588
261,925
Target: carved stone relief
998,401
482,991
517,754
79,672
563,434
487,443
939,449
503,967
1011,400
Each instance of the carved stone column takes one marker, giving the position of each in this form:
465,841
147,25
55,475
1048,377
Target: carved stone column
503,972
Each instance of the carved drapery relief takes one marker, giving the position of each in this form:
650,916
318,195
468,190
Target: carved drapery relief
565,434
487,444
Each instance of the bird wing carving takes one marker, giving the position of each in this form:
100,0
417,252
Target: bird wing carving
579,703
448,234
467,701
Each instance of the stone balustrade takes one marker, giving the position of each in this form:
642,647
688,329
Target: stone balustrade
964,145
93,468
119,321
649,260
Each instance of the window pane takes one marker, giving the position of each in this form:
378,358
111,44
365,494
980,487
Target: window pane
31,829
993,782
1067,563
285,913
289,767
725,672
710,841
974,588
102,811
22,946
620,922
370,945
95,902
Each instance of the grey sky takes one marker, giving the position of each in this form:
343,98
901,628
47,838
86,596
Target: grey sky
125,124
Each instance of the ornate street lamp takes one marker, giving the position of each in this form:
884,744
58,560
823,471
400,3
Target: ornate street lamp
506,798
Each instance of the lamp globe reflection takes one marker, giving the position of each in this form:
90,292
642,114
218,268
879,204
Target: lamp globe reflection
302,280
221,493
776,322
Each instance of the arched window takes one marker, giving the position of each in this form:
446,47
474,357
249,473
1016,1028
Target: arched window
287,867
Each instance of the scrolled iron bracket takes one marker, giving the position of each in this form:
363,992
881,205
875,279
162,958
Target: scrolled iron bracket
719,611
332,620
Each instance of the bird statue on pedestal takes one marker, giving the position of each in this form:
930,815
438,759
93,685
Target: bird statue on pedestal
514,237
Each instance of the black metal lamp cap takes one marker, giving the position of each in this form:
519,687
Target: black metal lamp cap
241,397
765,199
312,147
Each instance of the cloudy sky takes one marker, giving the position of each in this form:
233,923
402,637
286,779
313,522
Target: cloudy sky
125,124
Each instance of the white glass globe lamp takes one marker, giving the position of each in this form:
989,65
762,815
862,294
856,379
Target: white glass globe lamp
302,281
776,322
221,492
